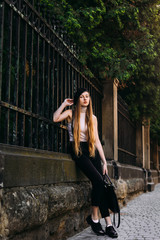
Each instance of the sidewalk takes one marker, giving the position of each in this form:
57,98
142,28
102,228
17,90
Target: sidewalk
140,220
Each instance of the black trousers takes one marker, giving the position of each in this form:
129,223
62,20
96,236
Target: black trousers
92,168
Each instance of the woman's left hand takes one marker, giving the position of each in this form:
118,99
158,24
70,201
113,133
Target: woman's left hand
105,170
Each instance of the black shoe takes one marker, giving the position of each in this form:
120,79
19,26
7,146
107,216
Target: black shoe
111,232
96,227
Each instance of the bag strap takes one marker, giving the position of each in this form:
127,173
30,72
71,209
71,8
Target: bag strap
114,222
108,178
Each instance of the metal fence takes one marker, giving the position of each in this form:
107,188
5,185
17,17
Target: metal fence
39,68
126,135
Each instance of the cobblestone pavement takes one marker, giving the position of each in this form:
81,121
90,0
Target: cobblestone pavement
140,220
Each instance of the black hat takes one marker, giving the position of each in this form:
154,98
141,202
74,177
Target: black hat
78,93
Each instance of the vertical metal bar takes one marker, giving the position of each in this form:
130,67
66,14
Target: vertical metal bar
55,136
1,42
100,116
24,87
59,81
43,89
79,80
18,57
65,96
49,79
46,63
91,91
69,82
85,83
9,73
49,97
61,76
71,79
43,74
65,79
82,81
52,97
25,62
89,88
38,74
57,100
37,78
79,83
31,91
95,102
13,83
53,79
76,79
1,57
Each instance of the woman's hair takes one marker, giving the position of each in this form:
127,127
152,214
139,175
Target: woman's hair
90,128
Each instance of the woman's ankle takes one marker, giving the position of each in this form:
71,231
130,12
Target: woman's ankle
94,218
108,221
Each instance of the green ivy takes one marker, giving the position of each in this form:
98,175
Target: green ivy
118,39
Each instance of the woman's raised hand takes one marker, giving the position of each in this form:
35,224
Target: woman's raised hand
68,102
59,115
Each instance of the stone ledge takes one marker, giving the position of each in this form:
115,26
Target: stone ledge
30,167
129,171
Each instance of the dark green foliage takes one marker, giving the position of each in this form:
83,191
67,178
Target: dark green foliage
119,39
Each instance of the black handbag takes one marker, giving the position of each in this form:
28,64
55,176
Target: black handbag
111,198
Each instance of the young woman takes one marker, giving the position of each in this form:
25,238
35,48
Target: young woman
87,152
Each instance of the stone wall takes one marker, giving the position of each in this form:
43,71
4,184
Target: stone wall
44,196
44,212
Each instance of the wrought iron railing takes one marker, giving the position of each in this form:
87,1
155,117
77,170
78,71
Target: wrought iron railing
126,135
38,70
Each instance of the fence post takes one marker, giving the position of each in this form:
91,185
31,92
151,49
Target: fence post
110,119
146,143
139,145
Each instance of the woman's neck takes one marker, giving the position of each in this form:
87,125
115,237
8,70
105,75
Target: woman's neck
83,109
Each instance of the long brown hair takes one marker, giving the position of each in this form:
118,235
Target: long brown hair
90,128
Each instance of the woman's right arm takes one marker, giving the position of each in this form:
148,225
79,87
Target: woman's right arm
58,116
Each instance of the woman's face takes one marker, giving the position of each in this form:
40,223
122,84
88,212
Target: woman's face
84,99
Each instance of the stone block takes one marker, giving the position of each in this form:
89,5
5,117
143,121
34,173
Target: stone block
121,189
150,186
